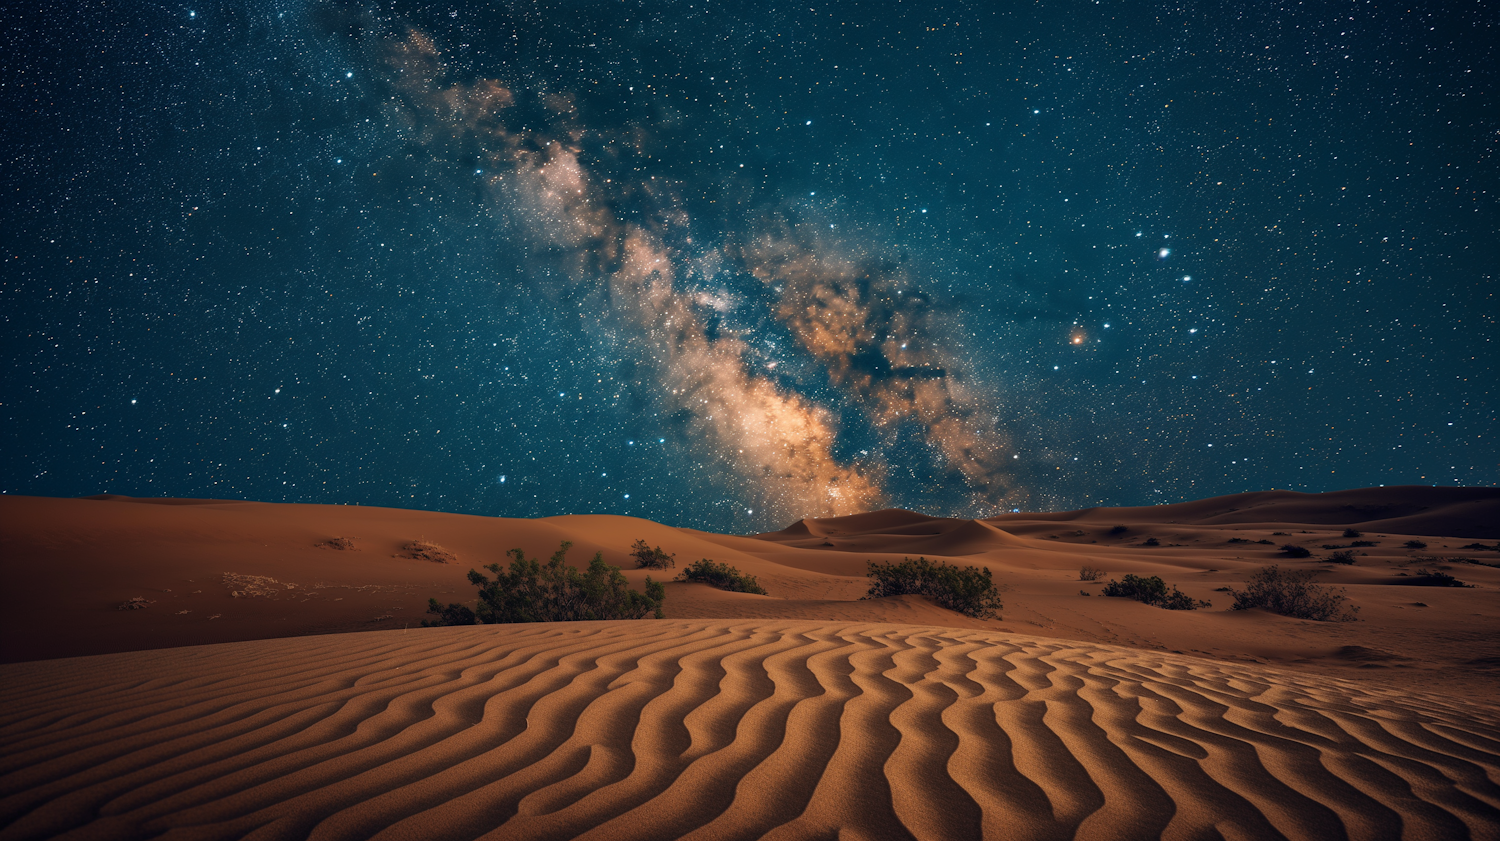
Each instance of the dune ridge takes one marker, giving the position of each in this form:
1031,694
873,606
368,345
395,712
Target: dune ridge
725,729
1404,509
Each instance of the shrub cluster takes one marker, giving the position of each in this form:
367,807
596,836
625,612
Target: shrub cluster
1151,541
1292,593
1292,550
1088,573
556,592
1434,578
1343,556
1353,533
1415,544
1152,591
967,590
648,558
723,576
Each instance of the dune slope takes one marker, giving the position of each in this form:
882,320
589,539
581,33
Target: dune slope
725,729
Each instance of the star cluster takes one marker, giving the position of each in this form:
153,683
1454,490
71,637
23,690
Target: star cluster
725,267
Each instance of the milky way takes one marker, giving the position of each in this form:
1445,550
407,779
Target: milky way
728,268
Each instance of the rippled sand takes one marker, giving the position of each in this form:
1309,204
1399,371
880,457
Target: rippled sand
725,729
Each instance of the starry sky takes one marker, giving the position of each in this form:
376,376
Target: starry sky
728,265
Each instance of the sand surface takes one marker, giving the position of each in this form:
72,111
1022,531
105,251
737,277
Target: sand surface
229,571
725,729
275,684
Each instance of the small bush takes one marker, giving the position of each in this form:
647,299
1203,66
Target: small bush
1292,593
1415,544
1152,591
1353,533
1151,541
1292,550
1238,540
967,590
1118,530
1265,542
136,603
648,558
1345,556
1433,578
723,576
1089,573
530,592
1364,543
1482,547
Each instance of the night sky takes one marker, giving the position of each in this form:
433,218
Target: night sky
726,266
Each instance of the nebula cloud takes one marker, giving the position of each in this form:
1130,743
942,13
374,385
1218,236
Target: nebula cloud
883,344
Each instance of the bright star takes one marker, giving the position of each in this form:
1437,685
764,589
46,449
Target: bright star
1163,253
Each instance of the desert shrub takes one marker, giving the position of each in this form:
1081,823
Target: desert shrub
648,558
723,576
1118,530
1353,533
1266,542
1483,547
1434,578
1088,573
1152,591
453,614
1364,543
1345,556
1292,593
136,603
1238,540
967,590
556,592
1151,541
1415,544
1292,550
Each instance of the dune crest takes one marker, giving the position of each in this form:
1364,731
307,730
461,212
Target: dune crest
725,729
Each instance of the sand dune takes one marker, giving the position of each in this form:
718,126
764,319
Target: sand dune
725,729
1407,509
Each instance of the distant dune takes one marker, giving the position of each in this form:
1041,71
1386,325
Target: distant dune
255,671
1406,509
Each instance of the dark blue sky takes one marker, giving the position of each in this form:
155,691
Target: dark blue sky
725,267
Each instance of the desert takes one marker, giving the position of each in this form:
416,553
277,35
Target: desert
277,682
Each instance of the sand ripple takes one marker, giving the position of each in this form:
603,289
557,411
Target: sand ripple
725,729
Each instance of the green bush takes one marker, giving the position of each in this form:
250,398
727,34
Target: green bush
967,590
1434,578
648,558
723,576
1152,591
531,592
1292,550
1292,593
